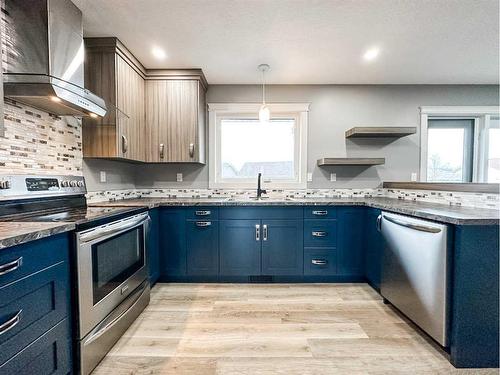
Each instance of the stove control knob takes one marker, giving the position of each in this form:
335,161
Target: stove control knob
4,184
81,184
73,183
64,183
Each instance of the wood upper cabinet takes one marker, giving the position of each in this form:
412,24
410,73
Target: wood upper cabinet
114,74
175,116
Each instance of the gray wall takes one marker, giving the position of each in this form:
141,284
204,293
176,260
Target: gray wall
334,109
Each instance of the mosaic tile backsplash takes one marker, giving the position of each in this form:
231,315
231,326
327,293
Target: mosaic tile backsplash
36,142
479,200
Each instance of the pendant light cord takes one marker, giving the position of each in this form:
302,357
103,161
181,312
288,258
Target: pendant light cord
263,87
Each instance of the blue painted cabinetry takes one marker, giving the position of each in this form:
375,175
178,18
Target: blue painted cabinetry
373,248
351,226
282,247
202,247
35,305
154,246
240,247
172,242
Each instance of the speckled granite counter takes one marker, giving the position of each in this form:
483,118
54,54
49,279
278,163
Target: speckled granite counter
14,233
431,211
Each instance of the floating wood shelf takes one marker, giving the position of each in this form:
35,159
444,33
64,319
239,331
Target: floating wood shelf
350,161
380,131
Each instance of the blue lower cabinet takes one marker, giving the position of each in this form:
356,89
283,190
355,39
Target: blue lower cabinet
50,354
320,261
172,242
351,233
154,246
202,247
320,233
373,248
282,247
474,340
240,247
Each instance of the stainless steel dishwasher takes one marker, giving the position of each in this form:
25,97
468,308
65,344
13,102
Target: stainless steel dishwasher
415,272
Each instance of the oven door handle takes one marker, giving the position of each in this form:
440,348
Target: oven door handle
113,228
116,314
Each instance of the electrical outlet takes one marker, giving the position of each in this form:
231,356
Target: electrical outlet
102,176
179,177
333,177
309,176
414,176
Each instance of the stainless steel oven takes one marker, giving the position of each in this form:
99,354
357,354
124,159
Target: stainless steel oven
112,284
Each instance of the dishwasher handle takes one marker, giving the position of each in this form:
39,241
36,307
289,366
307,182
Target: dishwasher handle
421,228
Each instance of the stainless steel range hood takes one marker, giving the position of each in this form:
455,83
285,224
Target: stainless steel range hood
44,57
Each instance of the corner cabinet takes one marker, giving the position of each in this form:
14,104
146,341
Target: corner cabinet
175,116
113,73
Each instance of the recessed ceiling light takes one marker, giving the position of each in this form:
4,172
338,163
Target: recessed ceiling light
371,54
159,53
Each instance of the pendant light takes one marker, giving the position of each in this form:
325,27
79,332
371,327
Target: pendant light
264,113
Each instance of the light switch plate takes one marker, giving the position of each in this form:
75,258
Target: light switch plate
179,177
414,176
333,177
309,176
102,176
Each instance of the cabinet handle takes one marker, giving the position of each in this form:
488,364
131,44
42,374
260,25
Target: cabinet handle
264,232
202,213
257,232
11,323
203,223
319,262
191,150
319,234
320,213
162,150
379,223
11,266
124,144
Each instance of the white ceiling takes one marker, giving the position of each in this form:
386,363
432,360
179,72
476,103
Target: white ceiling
309,41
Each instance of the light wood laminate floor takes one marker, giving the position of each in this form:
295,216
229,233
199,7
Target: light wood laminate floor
306,329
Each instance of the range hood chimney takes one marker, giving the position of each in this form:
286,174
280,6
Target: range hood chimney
43,42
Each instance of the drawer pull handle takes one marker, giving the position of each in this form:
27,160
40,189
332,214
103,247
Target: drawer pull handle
319,234
257,232
320,213
162,150
11,323
191,150
202,213
319,262
264,232
11,266
203,223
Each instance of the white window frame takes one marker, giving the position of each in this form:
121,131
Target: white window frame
480,115
218,111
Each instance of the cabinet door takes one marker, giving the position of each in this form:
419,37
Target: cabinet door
351,232
153,246
172,242
156,116
202,242
130,111
240,247
179,132
282,247
373,248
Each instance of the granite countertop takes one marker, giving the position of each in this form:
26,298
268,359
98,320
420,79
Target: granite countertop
432,211
14,232
18,230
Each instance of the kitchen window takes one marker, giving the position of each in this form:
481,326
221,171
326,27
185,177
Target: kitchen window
241,146
460,144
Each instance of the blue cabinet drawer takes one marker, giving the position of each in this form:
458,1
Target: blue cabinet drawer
319,233
261,213
320,261
22,260
202,247
31,306
202,213
320,212
48,354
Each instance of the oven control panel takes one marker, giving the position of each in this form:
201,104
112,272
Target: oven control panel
23,186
